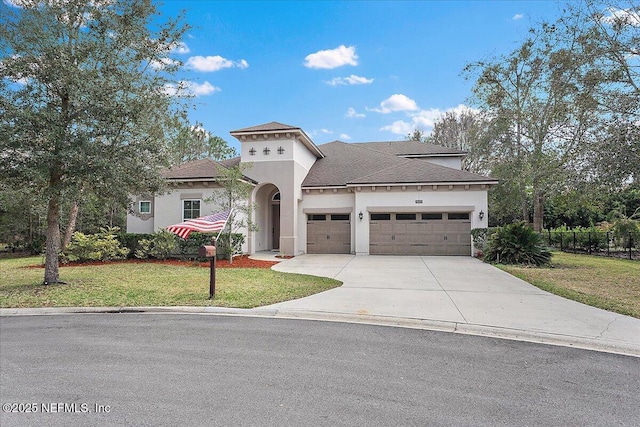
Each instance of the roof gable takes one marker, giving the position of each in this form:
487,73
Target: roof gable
267,127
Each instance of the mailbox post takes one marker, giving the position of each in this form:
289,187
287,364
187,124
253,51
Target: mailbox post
210,252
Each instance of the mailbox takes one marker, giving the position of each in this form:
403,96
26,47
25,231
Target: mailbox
207,251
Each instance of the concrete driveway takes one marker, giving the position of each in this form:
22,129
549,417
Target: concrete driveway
460,294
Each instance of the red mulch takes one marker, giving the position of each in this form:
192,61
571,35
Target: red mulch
238,262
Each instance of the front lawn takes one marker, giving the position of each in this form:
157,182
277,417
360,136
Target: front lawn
150,284
608,283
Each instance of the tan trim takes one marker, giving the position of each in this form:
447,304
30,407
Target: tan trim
191,196
328,210
420,209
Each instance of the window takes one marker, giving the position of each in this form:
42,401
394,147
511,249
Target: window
380,217
458,216
340,217
431,216
316,217
144,207
190,209
405,217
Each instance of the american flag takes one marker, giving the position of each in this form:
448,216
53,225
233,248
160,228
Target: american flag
204,224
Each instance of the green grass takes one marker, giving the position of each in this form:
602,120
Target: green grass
608,283
150,284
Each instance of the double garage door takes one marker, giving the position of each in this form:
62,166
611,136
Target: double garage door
328,234
420,234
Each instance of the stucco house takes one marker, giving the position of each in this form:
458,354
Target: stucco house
399,198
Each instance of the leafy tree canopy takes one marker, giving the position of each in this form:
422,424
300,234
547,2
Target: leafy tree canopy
87,99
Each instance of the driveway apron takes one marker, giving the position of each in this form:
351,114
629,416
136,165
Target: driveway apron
457,290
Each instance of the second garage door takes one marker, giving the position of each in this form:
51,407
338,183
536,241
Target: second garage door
420,234
328,234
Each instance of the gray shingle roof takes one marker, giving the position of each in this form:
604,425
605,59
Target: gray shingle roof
359,163
205,168
267,127
409,148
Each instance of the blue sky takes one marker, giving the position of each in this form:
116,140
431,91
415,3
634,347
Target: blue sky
355,71
348,70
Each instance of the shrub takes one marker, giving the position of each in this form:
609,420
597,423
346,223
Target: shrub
480,238
189,247
132,241
625,229
517,243
222,245
160,245
102,246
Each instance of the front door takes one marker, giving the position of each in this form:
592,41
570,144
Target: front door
275,226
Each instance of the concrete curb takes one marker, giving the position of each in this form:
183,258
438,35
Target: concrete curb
586,343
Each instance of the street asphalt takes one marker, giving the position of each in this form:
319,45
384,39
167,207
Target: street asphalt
150,369
453,294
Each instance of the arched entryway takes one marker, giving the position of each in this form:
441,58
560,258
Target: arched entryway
267,218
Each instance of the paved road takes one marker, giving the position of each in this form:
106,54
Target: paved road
159,369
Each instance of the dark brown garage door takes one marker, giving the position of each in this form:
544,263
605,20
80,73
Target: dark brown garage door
420,234
328,234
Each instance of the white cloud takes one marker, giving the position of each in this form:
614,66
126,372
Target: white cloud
332,58
396,102
326,131
213,63
344,137
351,112
181,48
205,88
399,127
162,63
623,16
423,119
351,80
187,88
517,16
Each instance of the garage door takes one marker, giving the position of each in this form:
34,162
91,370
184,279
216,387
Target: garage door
328,234
420,234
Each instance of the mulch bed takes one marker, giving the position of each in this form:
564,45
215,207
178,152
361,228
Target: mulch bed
238,262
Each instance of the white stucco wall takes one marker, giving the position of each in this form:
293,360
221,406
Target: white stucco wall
450,162
325,202
396,200
286,171
167,209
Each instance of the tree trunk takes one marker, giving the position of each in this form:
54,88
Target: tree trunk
538,210
71,226
51,274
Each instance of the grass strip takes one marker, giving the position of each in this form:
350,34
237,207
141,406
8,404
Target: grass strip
151,284
608,283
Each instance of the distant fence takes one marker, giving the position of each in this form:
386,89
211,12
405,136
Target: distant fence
626,245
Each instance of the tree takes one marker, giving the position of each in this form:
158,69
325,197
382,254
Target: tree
465,131
86,100
194,142
541,100
417,135
235,196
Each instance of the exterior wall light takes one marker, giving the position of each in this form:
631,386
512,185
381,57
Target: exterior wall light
360,215
481,215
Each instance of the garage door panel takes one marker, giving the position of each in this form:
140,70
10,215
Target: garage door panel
420,237
331,236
